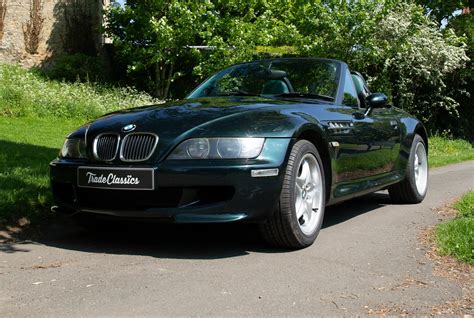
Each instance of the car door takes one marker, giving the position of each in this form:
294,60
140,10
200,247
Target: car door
365,145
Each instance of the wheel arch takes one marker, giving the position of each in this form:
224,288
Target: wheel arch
317,138
421,130
410,127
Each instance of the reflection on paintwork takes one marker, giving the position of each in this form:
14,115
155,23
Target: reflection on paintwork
347,189
368,146
355,161
365,151
274,150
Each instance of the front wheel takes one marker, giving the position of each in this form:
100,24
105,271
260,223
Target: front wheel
413,188
297,220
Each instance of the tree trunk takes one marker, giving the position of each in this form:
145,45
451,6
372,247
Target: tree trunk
163,76
157,80
168,81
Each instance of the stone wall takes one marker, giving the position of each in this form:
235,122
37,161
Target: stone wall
12,46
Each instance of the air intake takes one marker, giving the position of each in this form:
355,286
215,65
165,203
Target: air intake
138,147
105,147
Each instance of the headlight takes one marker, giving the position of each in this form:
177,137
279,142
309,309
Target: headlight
198,148
73,148
218,148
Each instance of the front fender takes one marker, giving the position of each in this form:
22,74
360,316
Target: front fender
410,126
267,123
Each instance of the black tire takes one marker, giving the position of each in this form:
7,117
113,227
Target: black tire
406,190
282,229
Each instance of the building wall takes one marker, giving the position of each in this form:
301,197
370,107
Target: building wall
12,47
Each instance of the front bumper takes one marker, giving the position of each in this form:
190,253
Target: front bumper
186,191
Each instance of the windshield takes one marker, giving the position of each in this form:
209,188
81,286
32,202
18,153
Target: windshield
290,78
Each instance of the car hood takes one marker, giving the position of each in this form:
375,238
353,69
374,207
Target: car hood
205,117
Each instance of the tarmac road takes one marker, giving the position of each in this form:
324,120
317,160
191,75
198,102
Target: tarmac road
367,257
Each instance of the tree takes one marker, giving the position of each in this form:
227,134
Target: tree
241,27
460,84
403,52
442,9
340,29
416,59
154,35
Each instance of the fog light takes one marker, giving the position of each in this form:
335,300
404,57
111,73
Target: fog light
264,173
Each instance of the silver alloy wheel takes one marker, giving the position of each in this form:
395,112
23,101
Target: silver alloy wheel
309,194
420,167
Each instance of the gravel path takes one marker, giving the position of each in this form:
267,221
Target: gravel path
367,259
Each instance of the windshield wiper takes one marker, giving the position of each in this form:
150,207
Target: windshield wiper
237,93
306,95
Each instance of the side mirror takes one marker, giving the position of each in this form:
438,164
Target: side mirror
377,100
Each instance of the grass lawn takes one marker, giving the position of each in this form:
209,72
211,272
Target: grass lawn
456,237
27,144
27,94
443,151
26,147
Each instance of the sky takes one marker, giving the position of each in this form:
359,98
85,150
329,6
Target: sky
443,23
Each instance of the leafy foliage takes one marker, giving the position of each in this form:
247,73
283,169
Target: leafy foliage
460,84
243,26
24,93
77,67
415,60
442,9
401,50
151,37
80,20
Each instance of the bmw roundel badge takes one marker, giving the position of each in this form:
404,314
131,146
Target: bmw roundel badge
129,128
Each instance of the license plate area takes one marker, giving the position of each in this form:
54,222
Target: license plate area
116,178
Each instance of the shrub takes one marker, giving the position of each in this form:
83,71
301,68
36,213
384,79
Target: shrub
78,67
25,93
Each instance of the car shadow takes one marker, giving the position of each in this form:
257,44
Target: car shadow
347,210
199,241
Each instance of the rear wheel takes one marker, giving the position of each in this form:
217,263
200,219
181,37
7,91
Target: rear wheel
297,220
415,185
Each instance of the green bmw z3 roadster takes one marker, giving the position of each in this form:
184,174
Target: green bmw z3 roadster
272,141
